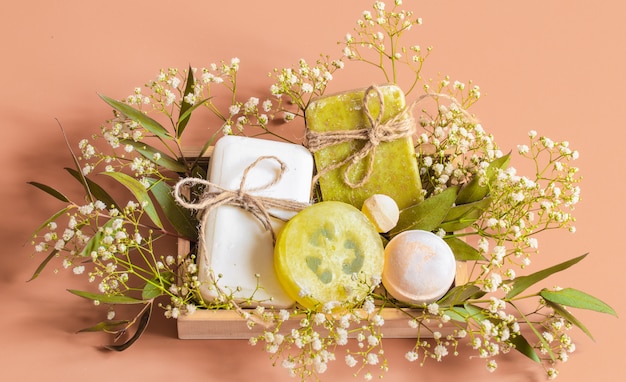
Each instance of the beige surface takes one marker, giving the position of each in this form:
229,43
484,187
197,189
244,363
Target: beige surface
556,67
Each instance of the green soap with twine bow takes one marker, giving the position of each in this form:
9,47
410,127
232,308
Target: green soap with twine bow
362,144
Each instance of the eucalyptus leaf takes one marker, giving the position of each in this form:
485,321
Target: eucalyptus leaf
462,250
104,326
51,191
150,152
180,218
522,283
560,310
458,295
141,327
476,190
522,346
464,215
183,116
51,219
456,313
136,115
197,171
577,299
151,290
95,190
94,242
155,287
81,178
426,215
43,264
541,338
107,299
475,312
134,186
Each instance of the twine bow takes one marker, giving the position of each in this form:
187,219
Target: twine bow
400,126
258,206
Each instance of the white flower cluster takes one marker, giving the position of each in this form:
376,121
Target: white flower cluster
304,82
452,149
375,40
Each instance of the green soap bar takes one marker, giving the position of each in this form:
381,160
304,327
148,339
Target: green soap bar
395,171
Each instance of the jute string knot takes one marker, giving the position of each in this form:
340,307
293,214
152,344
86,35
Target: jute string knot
257,205
400,126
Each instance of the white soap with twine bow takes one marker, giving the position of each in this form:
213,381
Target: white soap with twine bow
254,186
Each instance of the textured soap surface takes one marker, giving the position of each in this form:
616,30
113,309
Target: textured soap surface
329,253
238,247
395,170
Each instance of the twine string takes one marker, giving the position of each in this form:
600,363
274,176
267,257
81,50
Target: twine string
257,205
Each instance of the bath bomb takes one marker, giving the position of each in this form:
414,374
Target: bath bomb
419,267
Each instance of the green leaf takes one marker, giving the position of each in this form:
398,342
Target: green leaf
51,219
155,287
522,283
476,190
541,338
151,290
134,186
577,299
95,240
141,327
522,346
136,115
81,178
149,152
180,218
475,312
105,326
51,191
462,216
458,295
559,309
183,116
97,192
107,299
426,215
462,250
456,313
43,264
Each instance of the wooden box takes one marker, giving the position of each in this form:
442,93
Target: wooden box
228,324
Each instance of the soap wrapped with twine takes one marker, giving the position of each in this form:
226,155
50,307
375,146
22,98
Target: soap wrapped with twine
400,126
259,206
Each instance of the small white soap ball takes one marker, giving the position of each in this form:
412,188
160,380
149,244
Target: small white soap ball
382,211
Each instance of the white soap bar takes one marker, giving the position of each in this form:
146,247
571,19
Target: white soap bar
238,247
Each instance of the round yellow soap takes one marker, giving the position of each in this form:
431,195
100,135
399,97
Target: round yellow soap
419,267
328,253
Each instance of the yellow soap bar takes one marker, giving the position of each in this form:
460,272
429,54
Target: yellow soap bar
328,255
395,171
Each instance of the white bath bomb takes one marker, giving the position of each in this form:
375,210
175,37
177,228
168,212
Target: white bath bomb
419,267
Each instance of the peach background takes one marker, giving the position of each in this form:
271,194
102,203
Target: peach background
556,67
